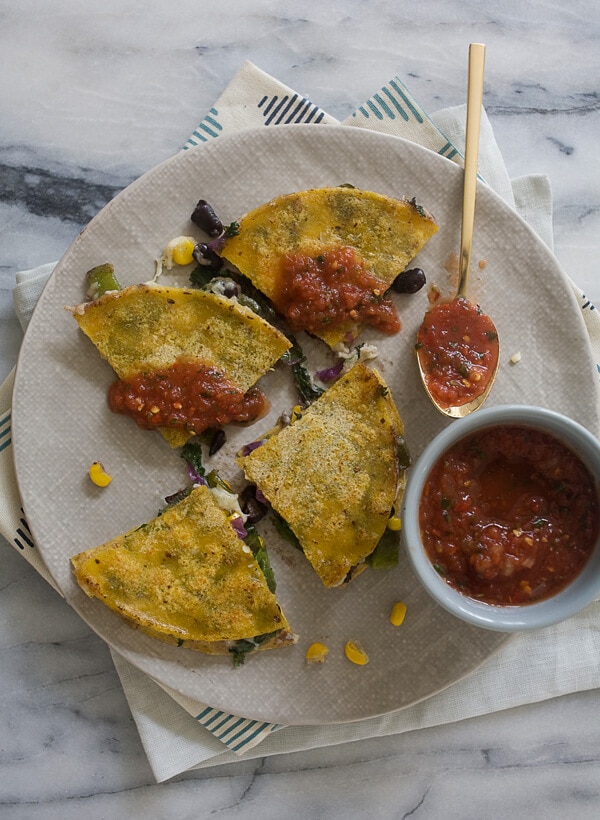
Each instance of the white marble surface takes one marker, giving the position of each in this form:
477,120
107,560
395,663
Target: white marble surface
92,95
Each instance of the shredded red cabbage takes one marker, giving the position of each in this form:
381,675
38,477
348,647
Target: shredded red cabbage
249,448
330,373
195,477
260,496
217,244
238,526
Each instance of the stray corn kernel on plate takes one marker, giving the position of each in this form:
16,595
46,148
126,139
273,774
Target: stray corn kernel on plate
62,424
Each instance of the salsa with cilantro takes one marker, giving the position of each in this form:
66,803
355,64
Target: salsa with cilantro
457,346
186,395
509,515
332,289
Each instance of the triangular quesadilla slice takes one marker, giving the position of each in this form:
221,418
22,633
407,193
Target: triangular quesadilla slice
188,579
336,473
325,257
186,359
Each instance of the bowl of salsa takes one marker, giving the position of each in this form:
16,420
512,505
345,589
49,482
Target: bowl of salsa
501,518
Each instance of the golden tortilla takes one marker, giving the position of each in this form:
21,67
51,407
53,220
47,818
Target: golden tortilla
386,233
149,327
185,578
334,474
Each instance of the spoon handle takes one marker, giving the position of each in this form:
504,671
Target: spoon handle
474,100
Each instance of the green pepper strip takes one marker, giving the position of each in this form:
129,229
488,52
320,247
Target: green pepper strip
259,550
386,553
100,280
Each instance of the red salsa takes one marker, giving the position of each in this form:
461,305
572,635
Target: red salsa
457,345
186,395
509,515
331,290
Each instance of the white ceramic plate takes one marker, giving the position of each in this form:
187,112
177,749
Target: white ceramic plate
62,423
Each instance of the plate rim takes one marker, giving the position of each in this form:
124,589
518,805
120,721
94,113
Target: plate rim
249,134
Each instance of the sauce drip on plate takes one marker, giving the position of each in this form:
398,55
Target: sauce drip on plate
509,515
457,345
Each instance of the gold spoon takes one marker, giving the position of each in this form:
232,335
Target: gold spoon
457,344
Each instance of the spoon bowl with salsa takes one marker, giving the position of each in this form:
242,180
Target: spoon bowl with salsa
458,356
457,343
501,518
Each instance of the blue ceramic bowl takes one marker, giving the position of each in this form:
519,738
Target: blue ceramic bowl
584,589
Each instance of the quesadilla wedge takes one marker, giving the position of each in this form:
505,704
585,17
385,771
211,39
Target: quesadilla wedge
336,473
186,359
186,578
325,257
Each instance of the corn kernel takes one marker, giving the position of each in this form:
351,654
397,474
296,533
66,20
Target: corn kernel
316,653
98,475
394,523
355,653
397,614
182,250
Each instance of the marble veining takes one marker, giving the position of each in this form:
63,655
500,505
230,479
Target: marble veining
44,193
94,95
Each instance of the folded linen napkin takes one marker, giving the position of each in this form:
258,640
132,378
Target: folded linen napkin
179,734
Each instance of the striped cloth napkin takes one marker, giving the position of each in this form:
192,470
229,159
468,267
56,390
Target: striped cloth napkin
179,734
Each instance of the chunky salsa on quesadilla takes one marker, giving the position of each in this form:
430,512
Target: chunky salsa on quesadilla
326,257
186,359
